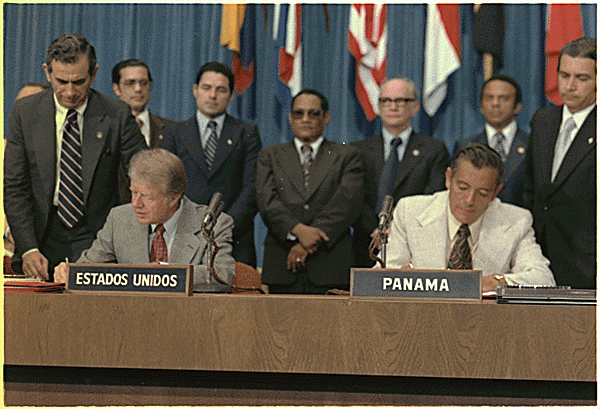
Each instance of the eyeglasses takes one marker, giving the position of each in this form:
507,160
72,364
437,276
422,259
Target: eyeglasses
399,101
131,83
313,114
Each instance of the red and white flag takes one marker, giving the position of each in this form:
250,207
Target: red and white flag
563,24
290,54
442,53
367,41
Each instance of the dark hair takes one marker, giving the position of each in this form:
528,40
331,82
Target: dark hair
39,84
308,91
581,48
116,73
480,156
67,48
505,78
221,68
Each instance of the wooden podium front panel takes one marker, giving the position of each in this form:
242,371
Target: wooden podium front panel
303,334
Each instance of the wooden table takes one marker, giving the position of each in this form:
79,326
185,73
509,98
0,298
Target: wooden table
275,349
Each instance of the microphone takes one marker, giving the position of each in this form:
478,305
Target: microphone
215,207
385,213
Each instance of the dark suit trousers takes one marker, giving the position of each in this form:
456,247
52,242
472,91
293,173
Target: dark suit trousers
61,242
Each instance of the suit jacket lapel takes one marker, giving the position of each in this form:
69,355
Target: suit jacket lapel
186,243
321,166
546,148
517,153
230,136
137,241
432,235
409,160
488,250
584,143
156,131
44,143
289,162
377,153
95,131
193,143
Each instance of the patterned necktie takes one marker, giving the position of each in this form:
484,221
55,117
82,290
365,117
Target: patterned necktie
211,144
70,189
158,251
140,123
499,147
460,256
388,175
562,145
307,160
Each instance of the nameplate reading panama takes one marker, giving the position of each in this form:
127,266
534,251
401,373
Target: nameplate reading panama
416,283
131,278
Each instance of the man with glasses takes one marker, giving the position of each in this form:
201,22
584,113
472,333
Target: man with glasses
309,192
399,162
131,84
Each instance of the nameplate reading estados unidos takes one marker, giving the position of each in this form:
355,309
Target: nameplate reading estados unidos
131,278
416,283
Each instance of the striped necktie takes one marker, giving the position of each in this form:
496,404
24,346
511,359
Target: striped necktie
460,256
70,190
307,160
211,144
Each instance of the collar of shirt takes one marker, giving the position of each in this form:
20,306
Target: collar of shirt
387,142
314,145
578,117
203,130
145,117
454,225
509,133
170,228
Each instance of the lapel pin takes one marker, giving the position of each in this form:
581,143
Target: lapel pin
591,141
99,135
229,142
521,150
160,136
416,152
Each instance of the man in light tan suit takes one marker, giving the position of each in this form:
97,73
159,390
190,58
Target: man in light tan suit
500,235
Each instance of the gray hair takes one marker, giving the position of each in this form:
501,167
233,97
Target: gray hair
159,168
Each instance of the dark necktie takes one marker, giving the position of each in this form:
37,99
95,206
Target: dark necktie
211,144
388,175
499,145
306,162
460,256
70,189
140,123
158,252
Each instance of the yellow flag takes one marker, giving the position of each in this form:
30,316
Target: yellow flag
231,23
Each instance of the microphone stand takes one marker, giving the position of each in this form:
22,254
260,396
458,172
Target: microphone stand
213,250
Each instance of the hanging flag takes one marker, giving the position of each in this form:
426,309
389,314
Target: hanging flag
290,52
237,34
488,31
563,24
367,41
442,53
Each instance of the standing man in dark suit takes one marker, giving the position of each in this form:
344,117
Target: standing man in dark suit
561,169
131,83
399,162
219,153
500,103
64,148
309,192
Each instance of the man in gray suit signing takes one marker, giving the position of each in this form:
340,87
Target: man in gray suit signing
468,227
161,225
